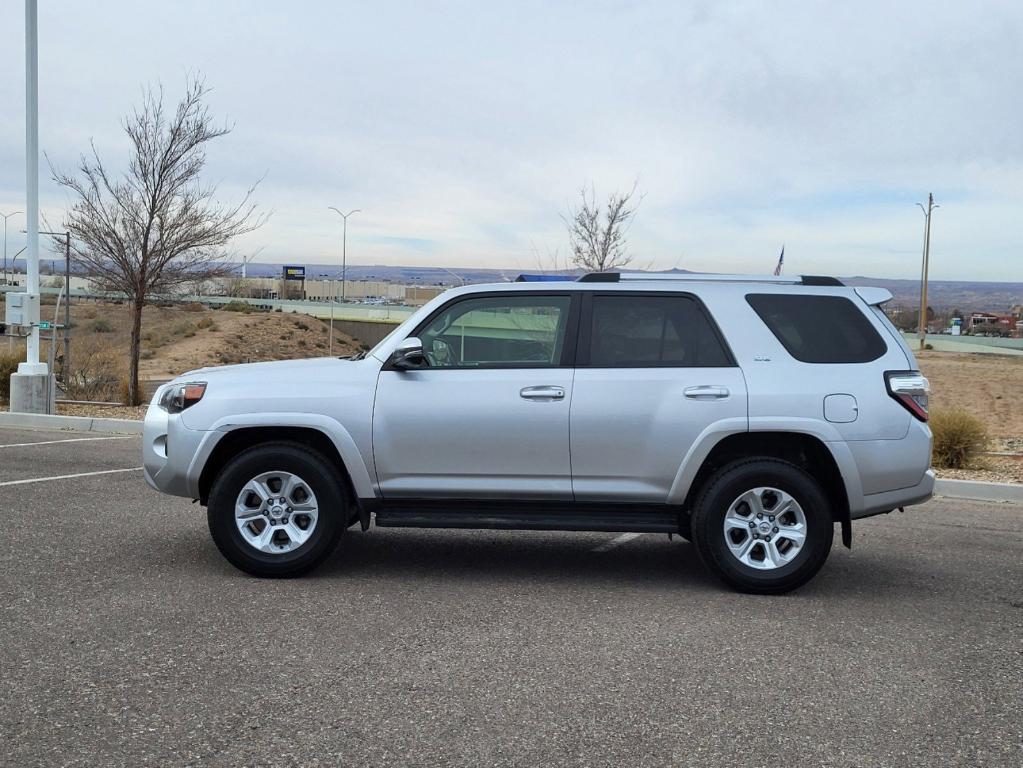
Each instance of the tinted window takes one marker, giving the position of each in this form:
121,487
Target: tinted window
512,331
819,329
651,331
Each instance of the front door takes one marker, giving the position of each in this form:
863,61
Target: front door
487,415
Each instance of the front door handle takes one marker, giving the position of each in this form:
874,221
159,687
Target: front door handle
705,392
542,393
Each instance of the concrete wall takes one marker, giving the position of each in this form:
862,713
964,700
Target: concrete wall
367,332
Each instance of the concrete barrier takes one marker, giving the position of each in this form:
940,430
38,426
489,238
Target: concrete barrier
70,423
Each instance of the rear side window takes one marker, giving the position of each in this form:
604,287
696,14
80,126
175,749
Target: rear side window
652,331
819,329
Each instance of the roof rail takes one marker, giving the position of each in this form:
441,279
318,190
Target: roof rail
697,277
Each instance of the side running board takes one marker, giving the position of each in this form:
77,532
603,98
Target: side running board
639,518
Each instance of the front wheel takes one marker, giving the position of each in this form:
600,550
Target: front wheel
763,526
276,510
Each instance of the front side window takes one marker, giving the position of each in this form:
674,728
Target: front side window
652,331
498,332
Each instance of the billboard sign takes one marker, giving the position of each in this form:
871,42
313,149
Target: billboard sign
294,273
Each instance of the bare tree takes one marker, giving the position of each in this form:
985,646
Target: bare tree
597,234
156,226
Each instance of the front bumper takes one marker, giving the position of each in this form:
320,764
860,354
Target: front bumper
169,451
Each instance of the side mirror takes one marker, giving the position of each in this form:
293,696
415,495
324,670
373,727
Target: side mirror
408,355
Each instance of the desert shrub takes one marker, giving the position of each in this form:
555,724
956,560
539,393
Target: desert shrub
302,325
237,306
89,313
8,365
928,346
185,329
97,369
958,437
206,322
146,354
101,325
193,306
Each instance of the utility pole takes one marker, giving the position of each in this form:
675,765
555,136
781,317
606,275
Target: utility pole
6,217
922,331
344,240
67,300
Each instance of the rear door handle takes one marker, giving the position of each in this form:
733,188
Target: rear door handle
705,392
542,393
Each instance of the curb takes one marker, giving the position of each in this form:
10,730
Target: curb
70,423
972,489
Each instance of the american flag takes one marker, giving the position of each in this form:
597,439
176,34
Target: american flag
781,262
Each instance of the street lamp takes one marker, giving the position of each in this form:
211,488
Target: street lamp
922,328
344,241
6,217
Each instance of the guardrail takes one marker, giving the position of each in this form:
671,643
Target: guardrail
385,313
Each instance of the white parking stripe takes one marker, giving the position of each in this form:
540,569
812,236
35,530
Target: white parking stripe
68,477
69,440
616,541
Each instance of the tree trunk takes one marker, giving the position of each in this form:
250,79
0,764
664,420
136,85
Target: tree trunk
134,392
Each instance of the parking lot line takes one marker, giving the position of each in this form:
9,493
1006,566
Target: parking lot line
616,542
68,477
68,440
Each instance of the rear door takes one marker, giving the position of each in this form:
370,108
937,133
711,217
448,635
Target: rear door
653,373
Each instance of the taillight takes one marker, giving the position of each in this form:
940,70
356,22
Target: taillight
910,388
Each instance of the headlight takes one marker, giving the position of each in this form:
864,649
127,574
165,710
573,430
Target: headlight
178,397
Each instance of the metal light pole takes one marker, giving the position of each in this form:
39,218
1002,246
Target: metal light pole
6,217
922,330
344,241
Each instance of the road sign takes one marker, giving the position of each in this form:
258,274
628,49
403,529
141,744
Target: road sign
45,325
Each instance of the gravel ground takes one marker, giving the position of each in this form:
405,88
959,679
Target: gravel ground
103,411
126,640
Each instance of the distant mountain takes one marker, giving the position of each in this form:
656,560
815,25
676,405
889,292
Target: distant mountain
941,294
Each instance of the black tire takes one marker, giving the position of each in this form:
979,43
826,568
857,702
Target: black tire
724,487
321,477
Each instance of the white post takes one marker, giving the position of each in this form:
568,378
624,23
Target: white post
32,364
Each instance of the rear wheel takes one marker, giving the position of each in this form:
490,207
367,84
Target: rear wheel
763,526
276,510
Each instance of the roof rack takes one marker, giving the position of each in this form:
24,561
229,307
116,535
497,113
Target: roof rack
696,277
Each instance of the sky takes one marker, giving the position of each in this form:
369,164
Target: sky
465,130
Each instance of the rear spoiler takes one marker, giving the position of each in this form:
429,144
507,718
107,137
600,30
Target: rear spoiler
875,297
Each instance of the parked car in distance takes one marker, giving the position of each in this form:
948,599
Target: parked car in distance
750,415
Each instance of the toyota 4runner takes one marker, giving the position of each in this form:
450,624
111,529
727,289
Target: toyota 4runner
750,415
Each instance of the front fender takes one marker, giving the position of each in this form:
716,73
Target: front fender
333,429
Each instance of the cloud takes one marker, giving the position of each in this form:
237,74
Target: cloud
464,130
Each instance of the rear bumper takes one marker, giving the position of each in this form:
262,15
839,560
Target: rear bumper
879,503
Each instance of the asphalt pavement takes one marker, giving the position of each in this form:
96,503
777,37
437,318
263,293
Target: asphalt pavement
126,639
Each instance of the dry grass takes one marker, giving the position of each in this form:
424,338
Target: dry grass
959,437
986,386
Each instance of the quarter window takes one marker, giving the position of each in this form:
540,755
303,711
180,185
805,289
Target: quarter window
652,331
819,329
498,332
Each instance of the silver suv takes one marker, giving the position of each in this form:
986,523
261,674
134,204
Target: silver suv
749,415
